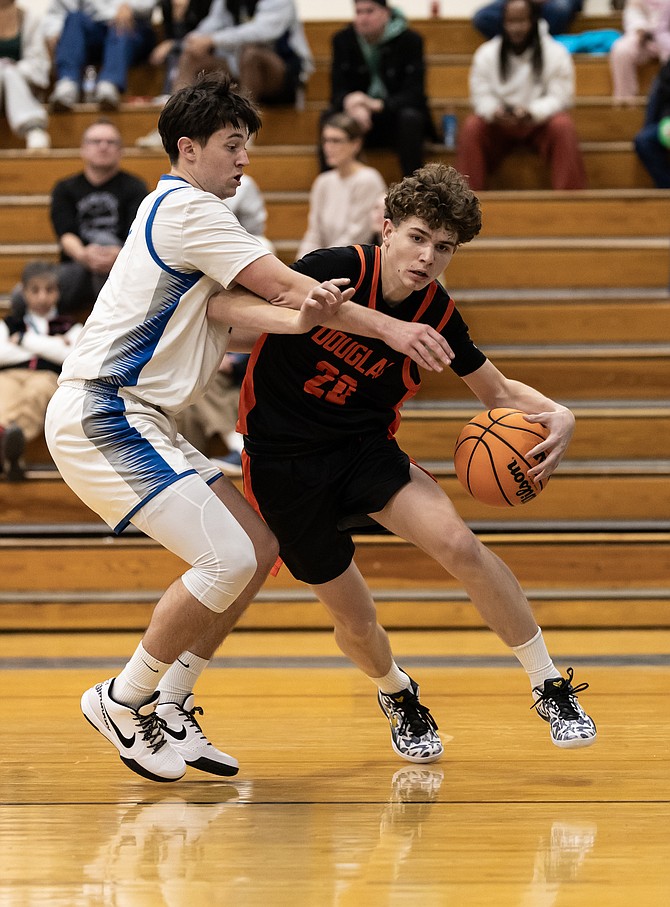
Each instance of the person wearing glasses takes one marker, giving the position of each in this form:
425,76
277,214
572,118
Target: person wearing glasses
341,198
91,214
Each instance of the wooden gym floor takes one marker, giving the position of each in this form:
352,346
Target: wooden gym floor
322,813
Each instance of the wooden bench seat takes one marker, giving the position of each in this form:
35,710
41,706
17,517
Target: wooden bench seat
606,212
597,489
293,168
572,578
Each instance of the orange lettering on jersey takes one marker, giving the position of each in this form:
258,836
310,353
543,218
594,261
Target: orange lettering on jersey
378,368
351,351
322,335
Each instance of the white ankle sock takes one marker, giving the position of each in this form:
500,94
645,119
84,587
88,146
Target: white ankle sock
138,680
535,660
179,681
393,682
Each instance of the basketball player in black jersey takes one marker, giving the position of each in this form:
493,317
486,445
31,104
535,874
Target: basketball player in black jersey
319,412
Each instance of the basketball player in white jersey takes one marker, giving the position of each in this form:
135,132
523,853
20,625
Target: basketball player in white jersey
148,350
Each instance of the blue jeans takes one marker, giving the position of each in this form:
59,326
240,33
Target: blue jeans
85,41
557,13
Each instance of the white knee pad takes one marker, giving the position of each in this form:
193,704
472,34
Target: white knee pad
188,519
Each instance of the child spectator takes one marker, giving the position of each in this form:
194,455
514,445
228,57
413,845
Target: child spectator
32,350
24,68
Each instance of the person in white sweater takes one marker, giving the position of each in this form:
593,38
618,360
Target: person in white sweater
24,69
341,198
522,85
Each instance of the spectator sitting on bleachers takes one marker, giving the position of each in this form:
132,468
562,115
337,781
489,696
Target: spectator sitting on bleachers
653,140
558,14
377,77
91,213
341,198
179,18
646,37
261,43
104,33
32,350
24,68
522,84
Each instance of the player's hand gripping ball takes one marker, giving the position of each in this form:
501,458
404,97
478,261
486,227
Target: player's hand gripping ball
491,457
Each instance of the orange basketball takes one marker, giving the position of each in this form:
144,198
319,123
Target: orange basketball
491,457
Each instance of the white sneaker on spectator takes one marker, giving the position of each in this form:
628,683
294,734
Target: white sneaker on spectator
65,95
107,96
37,139
151,140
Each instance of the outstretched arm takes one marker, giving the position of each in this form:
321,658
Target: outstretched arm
241,309
270,278
494,389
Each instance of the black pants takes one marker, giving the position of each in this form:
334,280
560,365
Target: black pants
403,130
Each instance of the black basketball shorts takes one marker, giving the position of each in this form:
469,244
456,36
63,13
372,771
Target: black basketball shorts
305,498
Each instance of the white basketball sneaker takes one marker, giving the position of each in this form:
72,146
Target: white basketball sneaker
136,733
186,737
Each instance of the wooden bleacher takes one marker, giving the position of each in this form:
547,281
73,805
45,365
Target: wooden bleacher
567,291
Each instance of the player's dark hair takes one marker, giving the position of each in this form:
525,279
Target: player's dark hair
441,197
39,269
200,110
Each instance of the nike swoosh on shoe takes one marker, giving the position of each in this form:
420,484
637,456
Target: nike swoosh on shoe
178,735
126,741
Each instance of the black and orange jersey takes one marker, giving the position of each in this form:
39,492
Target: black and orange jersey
304,391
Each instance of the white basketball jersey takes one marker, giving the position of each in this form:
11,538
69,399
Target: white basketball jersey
149,332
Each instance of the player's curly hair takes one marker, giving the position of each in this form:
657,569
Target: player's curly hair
201,109
441,197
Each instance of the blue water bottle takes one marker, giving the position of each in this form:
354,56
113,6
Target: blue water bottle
449,130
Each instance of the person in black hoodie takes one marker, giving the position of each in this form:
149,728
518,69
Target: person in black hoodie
650,144
377,77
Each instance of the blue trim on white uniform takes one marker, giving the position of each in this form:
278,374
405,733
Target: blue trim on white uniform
131,455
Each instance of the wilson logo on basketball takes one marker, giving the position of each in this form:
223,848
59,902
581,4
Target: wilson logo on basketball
493,455
525,491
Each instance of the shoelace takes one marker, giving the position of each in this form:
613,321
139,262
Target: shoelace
192,720
415,717
563,696
151,727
